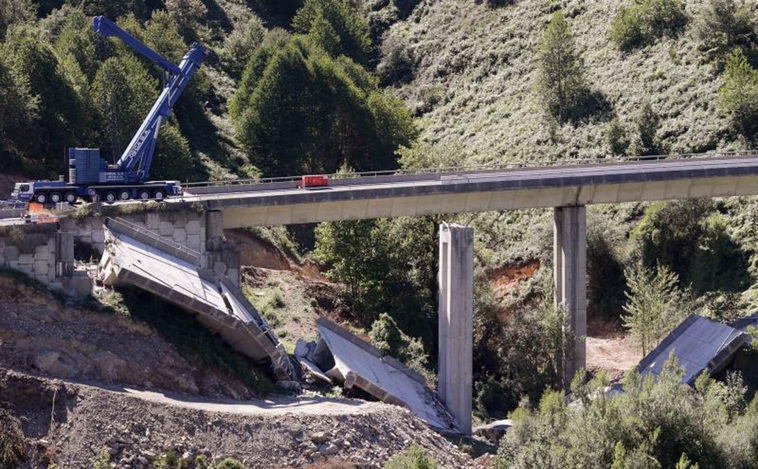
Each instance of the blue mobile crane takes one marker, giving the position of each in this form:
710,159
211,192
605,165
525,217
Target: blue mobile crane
90,177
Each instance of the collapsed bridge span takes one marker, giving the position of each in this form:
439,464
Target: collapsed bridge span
137,257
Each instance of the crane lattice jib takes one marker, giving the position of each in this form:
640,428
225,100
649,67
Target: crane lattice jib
138,155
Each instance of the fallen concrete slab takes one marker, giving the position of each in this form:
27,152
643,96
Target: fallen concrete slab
493,431
135,256
345,358
699,344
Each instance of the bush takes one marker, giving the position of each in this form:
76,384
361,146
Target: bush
654,424
561,82
412,458
187,14
173,158
397,61
738,97
12,440
724,24
691,239
647,21
618,141
605,270
388,338
647,125
241,44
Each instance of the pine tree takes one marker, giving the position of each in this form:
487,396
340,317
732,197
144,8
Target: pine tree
651,309
738,98
561,81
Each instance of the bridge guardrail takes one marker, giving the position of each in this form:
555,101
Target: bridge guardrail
289,182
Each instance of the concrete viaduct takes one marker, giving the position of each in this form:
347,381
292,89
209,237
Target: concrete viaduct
565,188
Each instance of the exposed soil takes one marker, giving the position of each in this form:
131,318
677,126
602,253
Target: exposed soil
614,354
39,333
305,300
610,348
68,424
508,284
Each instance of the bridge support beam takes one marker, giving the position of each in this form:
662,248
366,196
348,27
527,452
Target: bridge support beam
570,273
456,312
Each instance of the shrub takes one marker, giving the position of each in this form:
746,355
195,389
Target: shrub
654,424
241,43
647,125
102,460
605,269
387,336
724,24
617,138
12,440
187,15
173,157
397,60
412,458
647,21
561,81
738,97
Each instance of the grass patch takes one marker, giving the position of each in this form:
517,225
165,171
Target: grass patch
195,343
270,304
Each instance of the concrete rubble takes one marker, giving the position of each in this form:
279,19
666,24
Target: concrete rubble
137,257
342,357
699,345
493,431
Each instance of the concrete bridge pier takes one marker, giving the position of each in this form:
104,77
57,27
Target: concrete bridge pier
570,275
456,312
221,256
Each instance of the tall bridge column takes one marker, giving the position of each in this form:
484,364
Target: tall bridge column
456,312
570,271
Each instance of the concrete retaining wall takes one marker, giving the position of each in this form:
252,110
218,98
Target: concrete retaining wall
198,231
30,249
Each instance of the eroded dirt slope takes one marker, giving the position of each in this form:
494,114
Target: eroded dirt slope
135,430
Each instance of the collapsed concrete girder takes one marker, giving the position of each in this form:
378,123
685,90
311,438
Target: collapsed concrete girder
699,345
345,358
137,257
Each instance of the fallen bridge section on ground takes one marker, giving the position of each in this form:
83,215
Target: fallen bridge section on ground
135,256
344,357
699,345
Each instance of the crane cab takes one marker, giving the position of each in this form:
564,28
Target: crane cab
23,191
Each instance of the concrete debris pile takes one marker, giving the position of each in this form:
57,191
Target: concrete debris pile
699,344
342,357
135,256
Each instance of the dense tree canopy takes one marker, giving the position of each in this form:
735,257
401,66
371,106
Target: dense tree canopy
300,109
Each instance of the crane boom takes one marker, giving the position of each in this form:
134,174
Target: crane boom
90,177
134,164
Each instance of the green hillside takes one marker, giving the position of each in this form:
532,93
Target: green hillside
473,72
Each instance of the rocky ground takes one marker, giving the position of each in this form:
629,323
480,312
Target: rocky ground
40,333
85,379
68,424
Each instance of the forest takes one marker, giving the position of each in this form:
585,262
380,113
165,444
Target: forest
336,86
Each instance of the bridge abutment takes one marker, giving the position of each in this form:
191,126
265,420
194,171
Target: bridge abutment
456,312
570,276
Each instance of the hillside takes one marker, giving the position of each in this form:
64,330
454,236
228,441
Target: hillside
474,71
